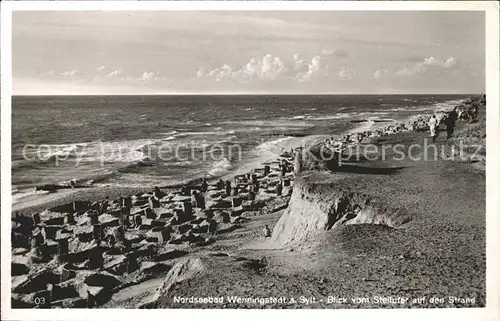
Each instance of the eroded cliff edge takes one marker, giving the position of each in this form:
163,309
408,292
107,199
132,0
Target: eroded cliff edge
317,206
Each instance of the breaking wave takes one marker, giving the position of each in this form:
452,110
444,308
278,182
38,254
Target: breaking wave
220,167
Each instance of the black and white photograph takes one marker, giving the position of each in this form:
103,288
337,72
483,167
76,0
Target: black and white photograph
247,159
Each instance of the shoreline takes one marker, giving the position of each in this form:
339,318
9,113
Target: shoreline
355,136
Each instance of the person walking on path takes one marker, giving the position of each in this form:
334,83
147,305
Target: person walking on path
432,126
450,123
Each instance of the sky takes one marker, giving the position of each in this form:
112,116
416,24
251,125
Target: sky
245,52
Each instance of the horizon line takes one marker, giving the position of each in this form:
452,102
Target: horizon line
241,94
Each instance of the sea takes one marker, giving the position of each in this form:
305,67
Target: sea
142,141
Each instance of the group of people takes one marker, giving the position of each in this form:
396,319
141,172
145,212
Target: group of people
472,114
449,122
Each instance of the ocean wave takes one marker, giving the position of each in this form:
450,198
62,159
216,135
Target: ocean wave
173,135
446,105
331,117
374,119
90,178
183,163
19,194
297,123
272,144
365,126
112,151
228,139
173,132
220,167
139,180
429,106
23,164
379,119
121,151
412,108
228,132
47,150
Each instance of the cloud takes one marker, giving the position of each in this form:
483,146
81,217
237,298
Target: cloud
147,75
430,64
315,64
69,73
450,62
251,69
269,67
108,75
201,73
347,73
314,67
101,68
224,71
405,72
344,73
299,64
221,72
339,53
114,73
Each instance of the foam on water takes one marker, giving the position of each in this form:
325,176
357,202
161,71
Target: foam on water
19,195
270,123
442,106
273,144
229,132
220,167
365,126
331,117
121,151
47,151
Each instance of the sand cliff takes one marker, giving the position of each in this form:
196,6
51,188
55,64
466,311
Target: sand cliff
316,207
